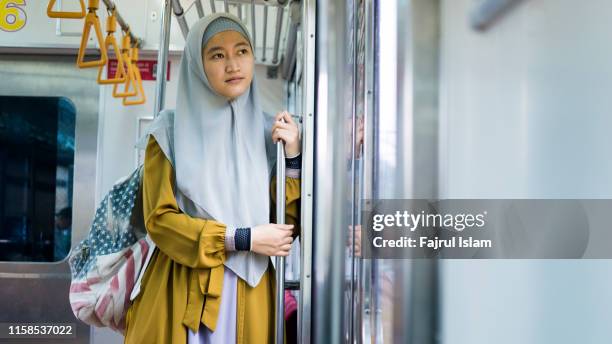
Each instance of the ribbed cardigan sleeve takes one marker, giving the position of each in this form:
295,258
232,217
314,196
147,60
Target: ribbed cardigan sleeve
191,241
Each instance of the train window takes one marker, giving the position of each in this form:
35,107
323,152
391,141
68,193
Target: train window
36,173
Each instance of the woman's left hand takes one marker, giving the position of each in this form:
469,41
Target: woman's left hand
287,131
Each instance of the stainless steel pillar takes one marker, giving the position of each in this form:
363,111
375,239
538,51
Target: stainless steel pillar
332,149
406,121
308,45
162,58
280,261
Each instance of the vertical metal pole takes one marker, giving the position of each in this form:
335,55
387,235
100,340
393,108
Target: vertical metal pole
253,26
309,18
212,6
484,14
265,33
367,309
162,58
279,22
179,13
280,261
332,149
199,8
352,28
226,6
417,161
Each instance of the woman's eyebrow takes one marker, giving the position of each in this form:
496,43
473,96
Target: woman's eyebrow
213,49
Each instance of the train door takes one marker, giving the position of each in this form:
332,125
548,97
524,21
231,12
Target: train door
369,142
460,99
48,148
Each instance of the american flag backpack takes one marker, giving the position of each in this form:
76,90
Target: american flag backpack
108,264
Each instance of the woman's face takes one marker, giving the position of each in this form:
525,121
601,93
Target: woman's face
228,63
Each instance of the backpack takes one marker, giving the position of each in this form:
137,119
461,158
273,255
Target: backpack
107,266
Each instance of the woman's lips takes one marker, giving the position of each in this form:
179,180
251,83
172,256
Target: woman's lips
234,80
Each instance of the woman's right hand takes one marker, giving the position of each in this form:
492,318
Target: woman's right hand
272,239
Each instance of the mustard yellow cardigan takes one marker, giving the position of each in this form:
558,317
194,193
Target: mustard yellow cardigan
182,284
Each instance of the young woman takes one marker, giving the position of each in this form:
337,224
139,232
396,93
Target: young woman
208,198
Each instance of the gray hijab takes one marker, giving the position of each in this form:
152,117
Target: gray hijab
221,151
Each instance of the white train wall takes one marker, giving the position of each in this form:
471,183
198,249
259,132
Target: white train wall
519,101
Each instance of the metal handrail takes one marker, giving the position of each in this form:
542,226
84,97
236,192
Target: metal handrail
177,8
279,314
308,57
127,71
253,24
162,58
91,19
180,13
484,14
265,34
279,23
267,3
65,15
199,8
120,74
111,7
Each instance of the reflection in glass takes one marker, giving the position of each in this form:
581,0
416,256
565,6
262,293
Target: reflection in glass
36,174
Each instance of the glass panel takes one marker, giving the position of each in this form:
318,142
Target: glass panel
36,175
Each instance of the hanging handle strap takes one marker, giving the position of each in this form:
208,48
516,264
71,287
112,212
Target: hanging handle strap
142,98
111,45
68,15
131,82
92,20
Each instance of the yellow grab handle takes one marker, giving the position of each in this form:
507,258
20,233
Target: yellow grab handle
92,20
128,70
68,15
142,98
111,23
130,82
120,74
134,54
